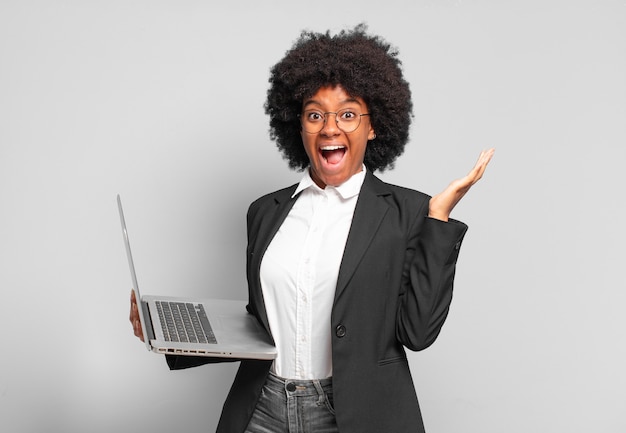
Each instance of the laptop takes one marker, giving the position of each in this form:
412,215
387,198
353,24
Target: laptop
205,327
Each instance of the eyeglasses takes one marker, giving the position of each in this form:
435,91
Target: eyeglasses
313,121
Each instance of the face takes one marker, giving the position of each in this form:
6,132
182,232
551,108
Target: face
335,155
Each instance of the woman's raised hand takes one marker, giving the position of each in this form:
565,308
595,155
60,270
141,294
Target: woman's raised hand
441,205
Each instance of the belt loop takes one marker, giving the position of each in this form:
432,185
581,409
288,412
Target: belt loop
320,392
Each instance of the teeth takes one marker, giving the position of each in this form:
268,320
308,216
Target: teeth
332,147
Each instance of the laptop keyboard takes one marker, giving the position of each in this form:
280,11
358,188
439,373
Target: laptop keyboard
185,322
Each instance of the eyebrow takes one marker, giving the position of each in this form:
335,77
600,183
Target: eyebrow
345,101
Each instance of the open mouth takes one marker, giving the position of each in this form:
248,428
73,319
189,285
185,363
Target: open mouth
333,154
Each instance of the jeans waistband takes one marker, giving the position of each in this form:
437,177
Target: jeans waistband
297,387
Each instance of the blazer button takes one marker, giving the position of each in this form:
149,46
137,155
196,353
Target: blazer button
340,331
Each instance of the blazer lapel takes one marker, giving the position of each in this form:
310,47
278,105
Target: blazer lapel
368,214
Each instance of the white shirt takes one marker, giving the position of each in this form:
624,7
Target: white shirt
299,275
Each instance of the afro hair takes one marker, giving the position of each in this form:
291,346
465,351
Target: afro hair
364,66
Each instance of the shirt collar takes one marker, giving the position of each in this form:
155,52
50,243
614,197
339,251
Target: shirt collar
348,189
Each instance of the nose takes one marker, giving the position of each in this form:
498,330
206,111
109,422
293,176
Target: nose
330,125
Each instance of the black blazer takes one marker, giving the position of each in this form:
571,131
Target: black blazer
393,291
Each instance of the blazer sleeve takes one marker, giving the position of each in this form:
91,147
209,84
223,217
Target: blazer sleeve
180,362
427,281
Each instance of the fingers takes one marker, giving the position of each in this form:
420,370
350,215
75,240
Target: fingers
137,329
133,307
481,165
441,205
134,316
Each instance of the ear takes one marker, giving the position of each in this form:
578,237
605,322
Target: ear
371,134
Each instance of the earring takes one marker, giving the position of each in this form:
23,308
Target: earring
374,137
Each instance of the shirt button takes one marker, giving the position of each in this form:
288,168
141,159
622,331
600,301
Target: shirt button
340,331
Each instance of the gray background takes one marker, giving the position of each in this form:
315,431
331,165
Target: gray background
161,101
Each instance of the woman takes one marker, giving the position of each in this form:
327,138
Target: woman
344,271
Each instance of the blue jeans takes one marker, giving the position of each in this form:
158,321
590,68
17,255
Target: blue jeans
294,406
